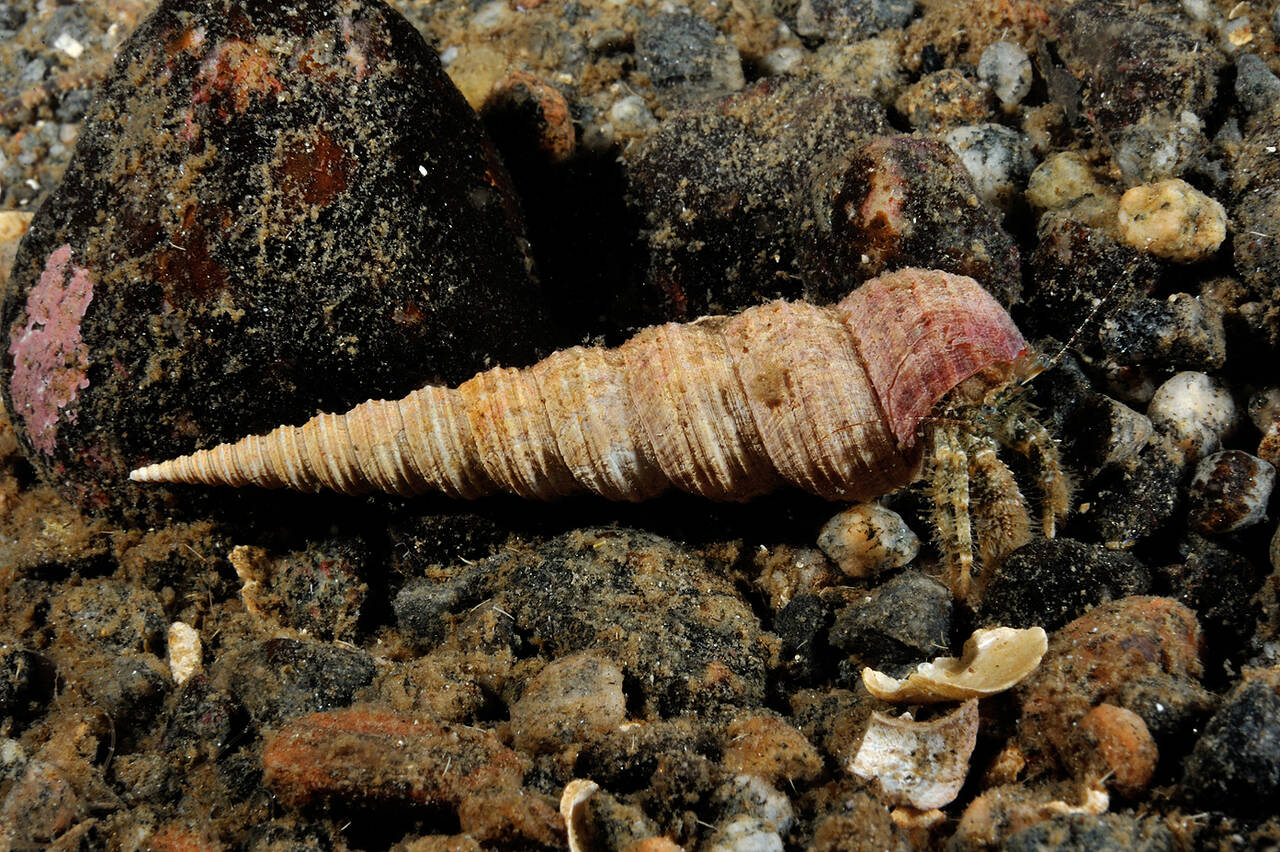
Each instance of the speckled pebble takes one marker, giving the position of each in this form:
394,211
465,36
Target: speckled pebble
908,619
744,833
280,679
1006,68
686,58
571,699
1229,492
1257,88
998,158
771,749
944,99
1092,833
868,539
1172,220
1181,331
1195,410
751,795
851,20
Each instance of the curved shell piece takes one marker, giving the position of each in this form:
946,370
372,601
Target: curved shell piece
920,764
825,399
993,660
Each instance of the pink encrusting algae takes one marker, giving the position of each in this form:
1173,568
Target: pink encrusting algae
50,361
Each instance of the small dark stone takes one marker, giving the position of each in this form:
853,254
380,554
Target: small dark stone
1049,582
802,626
111,617
1229,492
1256,87
908,619
1089,833
323,588
736,195
682,634
1100,432
851,20
73,105
1075,268
12,16
273,208
1141,74
27,682
1235,765
423,606
281,679
683,54
201,723
1219,585
129,689
1135,498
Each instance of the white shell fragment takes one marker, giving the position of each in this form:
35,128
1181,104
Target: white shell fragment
573,810
867,539
993,660
185,652
920,764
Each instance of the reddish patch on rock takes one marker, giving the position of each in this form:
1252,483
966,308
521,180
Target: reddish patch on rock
185,267
50,361
233,75
376,755
312,173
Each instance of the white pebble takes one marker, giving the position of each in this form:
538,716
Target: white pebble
919,764
185,652
999,160
1006,68
1195,410
867,539
783,60
744,834
630,116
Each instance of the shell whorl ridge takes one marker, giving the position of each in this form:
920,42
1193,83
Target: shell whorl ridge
828,399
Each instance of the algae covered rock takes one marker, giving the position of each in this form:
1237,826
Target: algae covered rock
274,208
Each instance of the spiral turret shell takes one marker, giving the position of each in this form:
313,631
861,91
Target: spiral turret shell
827,399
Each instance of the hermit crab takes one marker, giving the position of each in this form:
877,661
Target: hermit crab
913,369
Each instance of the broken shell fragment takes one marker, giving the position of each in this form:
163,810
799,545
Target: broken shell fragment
993,660
921,764
573,809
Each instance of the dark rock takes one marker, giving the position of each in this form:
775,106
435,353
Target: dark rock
1100,432
1049,582
27,682
1256,186
681,633
1219,585
423,606
1229,492
222,258
1075,268
1235,765
1129,502
1090,833
802,626
281,679
108,616
851,20
909,201
731,190
1181,331
1256,87
201,723
129,689
323,589
685,57
908,619
1141,74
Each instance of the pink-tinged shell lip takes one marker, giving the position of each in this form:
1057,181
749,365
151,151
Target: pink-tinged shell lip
50,360
923,332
